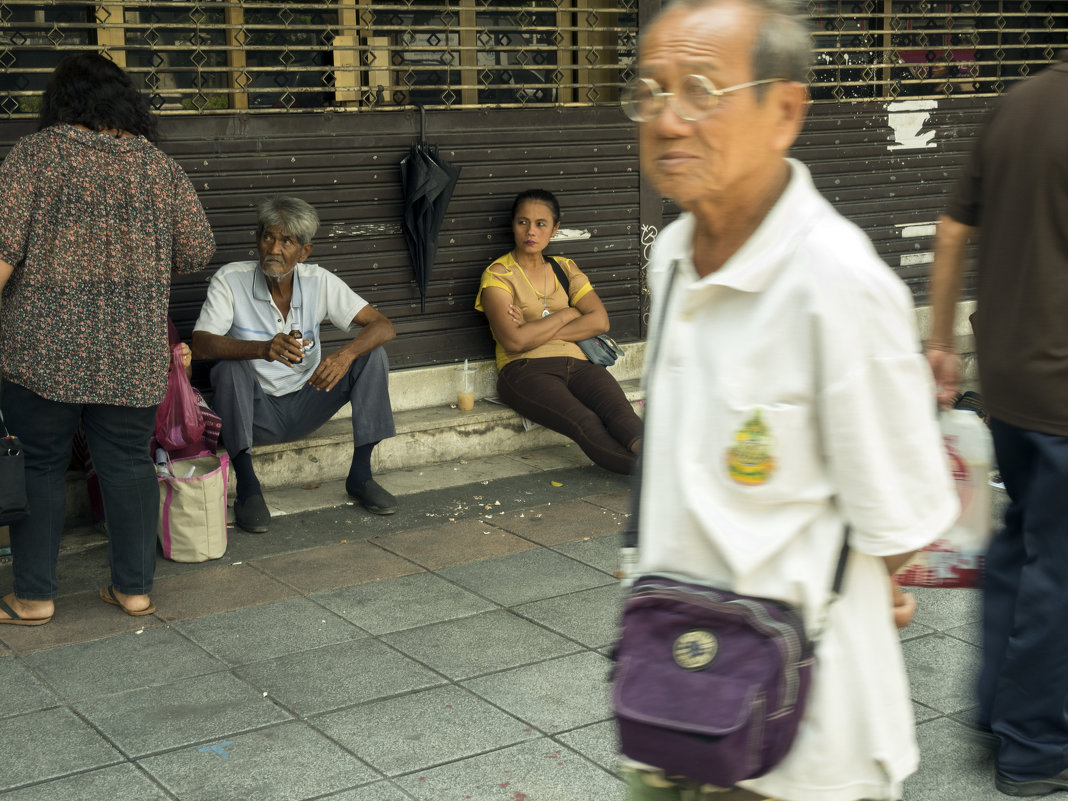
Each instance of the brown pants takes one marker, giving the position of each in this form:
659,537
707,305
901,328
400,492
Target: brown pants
579,400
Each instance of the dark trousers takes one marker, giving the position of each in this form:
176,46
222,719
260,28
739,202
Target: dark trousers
1023,684
578,399
118,439
251,416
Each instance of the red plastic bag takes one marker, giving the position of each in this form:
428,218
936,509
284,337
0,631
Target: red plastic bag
179,423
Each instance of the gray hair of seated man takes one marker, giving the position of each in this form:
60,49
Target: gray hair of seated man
783,46
290,215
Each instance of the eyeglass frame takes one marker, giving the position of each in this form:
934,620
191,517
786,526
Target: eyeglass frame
662,97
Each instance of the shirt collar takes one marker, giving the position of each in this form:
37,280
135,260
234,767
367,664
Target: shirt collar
261,292
753,267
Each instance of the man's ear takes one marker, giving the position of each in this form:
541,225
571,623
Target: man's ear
791,102
305,251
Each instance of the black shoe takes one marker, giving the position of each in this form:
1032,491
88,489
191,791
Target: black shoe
251,514
1035,787
373,497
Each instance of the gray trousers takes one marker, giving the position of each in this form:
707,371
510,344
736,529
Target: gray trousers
252,417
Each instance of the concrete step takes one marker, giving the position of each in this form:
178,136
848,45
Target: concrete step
430,427
430,430
424,436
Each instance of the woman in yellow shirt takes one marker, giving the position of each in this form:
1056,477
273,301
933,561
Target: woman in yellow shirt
536,322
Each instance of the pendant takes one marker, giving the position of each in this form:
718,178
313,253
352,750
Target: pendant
545,312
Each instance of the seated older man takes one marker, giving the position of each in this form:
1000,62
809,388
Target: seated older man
272,382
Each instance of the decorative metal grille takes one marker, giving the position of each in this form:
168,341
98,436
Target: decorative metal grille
885,49
205,56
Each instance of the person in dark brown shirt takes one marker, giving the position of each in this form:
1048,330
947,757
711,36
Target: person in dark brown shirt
94,218
1015,188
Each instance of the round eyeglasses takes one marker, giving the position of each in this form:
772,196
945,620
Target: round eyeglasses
643,100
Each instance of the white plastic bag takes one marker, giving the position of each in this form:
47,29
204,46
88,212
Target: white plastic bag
956,560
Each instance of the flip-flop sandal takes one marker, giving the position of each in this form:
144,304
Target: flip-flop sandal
107,595
14,619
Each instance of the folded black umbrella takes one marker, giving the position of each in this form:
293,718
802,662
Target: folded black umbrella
427,182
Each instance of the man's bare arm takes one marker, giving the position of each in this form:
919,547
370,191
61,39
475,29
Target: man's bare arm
375,330
282,348
947,275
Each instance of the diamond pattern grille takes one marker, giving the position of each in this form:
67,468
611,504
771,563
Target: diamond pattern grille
898,48
206,56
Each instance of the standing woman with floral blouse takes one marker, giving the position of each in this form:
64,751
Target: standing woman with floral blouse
94,218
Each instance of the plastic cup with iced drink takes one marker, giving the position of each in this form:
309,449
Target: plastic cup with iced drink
465,388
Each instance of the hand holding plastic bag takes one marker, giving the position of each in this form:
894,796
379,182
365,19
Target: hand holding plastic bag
179,422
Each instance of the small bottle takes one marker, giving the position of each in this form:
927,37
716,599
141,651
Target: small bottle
297,335
162,470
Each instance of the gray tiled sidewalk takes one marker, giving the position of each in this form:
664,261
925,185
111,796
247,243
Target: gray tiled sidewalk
472,667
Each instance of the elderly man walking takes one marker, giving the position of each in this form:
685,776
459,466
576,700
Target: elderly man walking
272,383
789,398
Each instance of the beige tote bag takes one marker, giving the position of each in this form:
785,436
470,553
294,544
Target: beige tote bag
192,509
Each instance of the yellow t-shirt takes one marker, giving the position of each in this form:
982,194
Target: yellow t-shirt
531,302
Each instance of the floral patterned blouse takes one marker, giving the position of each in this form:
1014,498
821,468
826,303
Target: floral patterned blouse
94,225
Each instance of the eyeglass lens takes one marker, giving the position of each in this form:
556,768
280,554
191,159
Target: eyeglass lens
694,100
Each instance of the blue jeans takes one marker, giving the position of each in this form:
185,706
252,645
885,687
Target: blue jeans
118,438
1023,683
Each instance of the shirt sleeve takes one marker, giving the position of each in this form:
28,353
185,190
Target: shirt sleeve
966,199
338,303
217,313
16,203
491,279
193,244
878,425
578,283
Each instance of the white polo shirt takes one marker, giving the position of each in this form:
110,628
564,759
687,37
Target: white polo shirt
790,394
239,305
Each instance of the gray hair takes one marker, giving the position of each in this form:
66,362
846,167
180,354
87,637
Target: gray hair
290,215
783,45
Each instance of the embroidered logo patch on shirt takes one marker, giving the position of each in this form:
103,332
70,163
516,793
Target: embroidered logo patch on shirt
750,461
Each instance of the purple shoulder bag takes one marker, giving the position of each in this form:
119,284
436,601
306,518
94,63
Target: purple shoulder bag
708,684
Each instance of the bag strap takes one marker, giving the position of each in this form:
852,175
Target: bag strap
561,277
630,533
3,427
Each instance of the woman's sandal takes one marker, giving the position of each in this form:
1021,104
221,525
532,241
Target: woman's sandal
15,619
107,595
